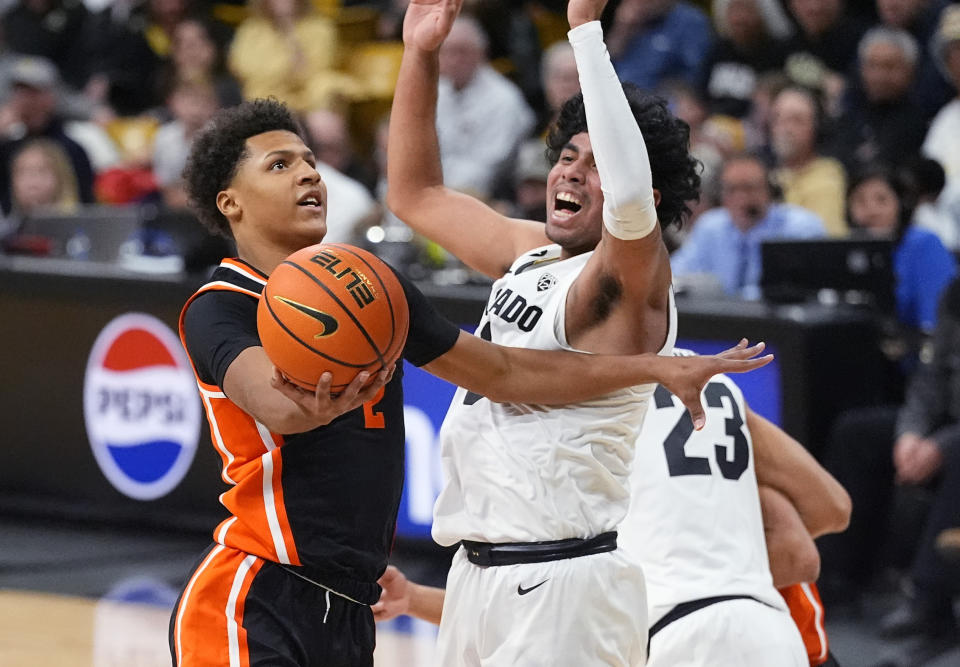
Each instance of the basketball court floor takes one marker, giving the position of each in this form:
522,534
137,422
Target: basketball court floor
81,595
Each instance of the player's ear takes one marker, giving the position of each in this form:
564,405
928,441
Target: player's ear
656,198
228,205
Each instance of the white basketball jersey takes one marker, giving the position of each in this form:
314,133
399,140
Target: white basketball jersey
694,522
525,473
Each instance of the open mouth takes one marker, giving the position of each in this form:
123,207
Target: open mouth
566,205
310,201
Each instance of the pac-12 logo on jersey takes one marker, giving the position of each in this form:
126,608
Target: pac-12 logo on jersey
140,406
545,282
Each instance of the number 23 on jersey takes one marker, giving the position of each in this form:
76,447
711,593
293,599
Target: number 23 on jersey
731,465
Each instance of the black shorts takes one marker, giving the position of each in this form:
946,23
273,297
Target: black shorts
238,609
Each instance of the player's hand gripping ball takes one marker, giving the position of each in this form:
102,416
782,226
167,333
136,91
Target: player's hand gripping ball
332,307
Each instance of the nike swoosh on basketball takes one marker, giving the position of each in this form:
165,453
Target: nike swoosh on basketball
329,322
523,591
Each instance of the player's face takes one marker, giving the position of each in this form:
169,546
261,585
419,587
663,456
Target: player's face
574,198
279,193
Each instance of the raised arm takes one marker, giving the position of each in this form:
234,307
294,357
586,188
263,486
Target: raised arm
482,238
630,255
785,465
553,377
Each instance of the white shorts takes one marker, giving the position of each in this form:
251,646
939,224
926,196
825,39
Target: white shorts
574,612
733,632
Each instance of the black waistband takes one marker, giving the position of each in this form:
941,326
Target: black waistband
514,553
687,608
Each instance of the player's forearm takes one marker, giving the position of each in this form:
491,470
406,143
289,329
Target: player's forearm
791,551
545,377
618,145
426,602
784,464
413,149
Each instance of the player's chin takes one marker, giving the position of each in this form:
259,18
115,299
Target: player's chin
311,231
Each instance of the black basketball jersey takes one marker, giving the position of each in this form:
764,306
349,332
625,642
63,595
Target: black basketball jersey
323,502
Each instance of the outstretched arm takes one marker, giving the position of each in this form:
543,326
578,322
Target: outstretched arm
482,238
402,596
785,465
553,377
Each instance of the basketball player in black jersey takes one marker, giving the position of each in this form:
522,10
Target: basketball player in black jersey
315,480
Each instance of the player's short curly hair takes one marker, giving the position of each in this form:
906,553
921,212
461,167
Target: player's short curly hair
676,174
220,147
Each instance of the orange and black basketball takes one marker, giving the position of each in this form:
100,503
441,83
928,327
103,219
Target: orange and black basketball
332,307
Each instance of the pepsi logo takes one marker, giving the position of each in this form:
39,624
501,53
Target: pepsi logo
140,406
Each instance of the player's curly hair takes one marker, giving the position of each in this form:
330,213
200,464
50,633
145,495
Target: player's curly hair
220,147
676,174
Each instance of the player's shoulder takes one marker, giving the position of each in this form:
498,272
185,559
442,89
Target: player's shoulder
535,257
232,290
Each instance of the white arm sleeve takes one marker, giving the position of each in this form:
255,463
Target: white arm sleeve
618,148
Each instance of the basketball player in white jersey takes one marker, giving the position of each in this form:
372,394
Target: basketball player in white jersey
535,495
695,525
696,528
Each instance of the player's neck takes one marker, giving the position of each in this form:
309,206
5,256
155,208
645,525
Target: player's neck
263,257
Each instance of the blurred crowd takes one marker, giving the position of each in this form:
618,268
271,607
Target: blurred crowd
813,119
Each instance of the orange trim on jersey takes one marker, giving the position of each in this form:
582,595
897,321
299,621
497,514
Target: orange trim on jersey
243,268
208,626
281,509
806,609
259,525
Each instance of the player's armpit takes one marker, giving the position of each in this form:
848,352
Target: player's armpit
785,465
792,553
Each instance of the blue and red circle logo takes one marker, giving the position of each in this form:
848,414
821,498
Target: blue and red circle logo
141,407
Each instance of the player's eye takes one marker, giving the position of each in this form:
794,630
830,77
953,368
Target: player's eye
278,164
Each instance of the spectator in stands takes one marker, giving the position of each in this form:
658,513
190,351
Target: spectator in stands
328,135
872,452
706,145
42,180
826,37
881,123
481,115
558,71
725,242
942,142
287,50
530,182
937,207
31,113
756,126
513,42
121,67
196,56
191,104
51,29
808,179
653,41
920,17
879,205
750,42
